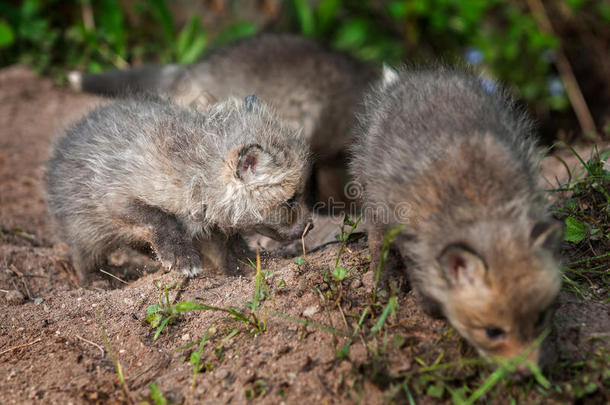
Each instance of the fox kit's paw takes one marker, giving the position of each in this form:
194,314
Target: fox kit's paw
191,271
183,259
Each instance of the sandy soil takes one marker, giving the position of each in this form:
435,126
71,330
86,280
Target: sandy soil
52,345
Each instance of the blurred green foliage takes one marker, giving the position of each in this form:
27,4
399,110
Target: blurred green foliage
54,36
498,36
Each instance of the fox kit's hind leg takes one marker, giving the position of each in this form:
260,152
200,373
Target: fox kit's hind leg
83,263
214,251
223,252
168,238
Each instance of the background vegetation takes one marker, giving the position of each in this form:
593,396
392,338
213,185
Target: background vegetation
503,39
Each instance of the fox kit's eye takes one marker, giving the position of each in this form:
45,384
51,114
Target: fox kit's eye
494,333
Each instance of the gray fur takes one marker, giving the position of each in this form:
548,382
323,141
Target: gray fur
458,166
310,87
147,171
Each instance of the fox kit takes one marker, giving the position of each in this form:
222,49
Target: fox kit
457,166
311,88
148,173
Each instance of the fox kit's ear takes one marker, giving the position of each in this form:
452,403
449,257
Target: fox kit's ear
547,235
461,267
253,163
251,102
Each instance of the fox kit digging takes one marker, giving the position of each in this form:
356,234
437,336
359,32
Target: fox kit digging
147,173
457,165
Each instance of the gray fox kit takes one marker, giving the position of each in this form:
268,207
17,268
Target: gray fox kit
310,87
146,172
458,167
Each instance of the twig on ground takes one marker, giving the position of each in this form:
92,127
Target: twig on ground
92,343
15,270
22,278
10,349
113,276
303,237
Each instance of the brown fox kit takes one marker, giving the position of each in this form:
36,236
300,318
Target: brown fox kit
148,173
457,166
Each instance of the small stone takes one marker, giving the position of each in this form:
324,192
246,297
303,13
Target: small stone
14,297
357,353
400,367
39,301
368,279
221,374
186,336
311,311
291,377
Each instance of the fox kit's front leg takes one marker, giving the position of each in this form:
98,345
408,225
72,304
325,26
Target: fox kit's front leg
168,238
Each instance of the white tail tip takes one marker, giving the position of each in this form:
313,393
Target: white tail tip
389,75
75,79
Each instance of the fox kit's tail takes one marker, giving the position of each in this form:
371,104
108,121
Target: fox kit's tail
119,83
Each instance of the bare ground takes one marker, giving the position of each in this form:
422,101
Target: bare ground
52,345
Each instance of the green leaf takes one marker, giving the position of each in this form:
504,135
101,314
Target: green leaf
194,50
389,308
575,230
196,357
352,34
153,309
30,8
304,14
111,26
435,391
541,379
234,32
326,13
7,37
186,306
575,5
154,320
164,15
300,260
191,42
156,395
398,9
343,352
339,273
161,327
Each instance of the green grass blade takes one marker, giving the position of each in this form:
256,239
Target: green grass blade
389,308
